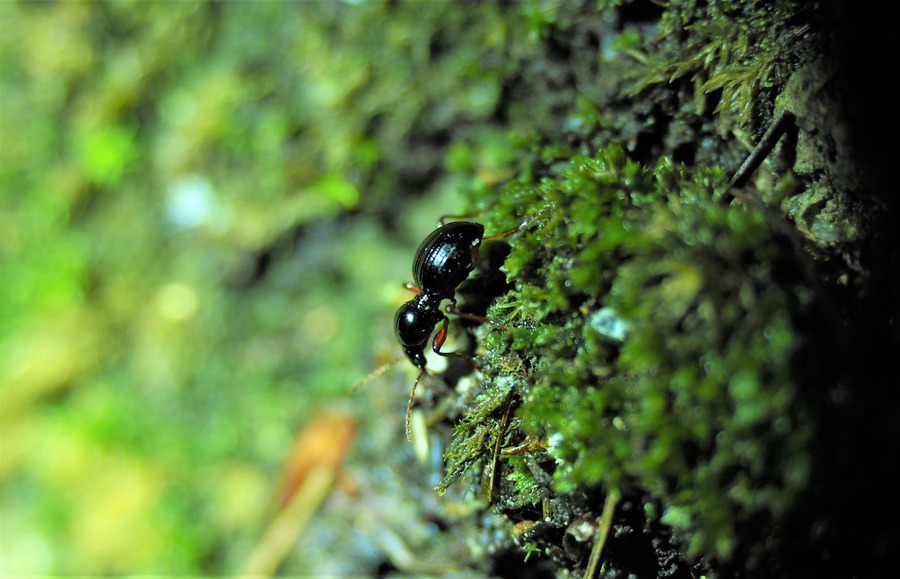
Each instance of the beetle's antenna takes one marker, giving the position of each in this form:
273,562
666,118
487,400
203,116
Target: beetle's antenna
374,374
412,399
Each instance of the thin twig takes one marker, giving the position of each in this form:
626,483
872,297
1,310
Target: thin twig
282,534
604,523
762,149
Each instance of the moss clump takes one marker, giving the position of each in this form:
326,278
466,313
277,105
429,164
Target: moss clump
658,329
651,332
741,50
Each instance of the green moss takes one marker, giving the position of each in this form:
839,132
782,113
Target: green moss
653,324
652,331
740,49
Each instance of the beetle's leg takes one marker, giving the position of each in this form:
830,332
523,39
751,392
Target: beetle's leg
440,337
439,340
412,399
451,309
412,287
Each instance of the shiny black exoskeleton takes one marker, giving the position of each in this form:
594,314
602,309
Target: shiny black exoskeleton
443,261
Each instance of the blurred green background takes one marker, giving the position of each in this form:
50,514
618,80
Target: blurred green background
207,211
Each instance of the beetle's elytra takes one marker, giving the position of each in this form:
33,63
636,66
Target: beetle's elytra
447,256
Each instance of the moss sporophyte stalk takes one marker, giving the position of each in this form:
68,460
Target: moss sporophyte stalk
651,329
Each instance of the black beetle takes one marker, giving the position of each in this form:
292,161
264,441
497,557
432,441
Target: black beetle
443,261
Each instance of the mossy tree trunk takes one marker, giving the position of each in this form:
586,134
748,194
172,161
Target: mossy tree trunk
716,354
